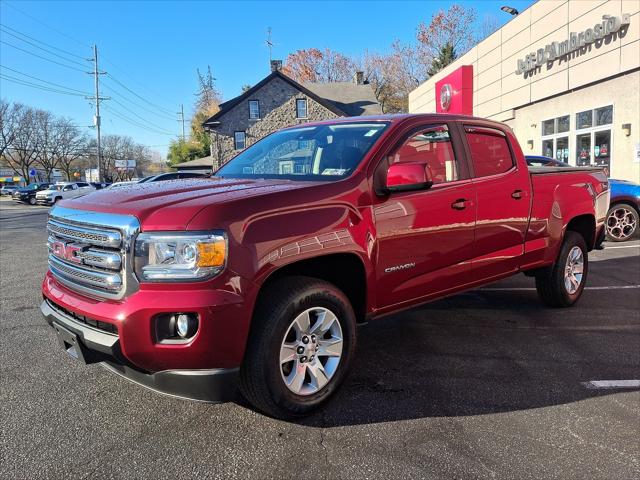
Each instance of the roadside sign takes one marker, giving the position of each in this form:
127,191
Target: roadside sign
32,172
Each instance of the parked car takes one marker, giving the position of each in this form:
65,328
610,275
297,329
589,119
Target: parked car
28,193
542,161
257,278
63,191
120,184
624,210
100,185
173,176
7,190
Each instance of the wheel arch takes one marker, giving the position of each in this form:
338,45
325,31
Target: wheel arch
344,270
585,225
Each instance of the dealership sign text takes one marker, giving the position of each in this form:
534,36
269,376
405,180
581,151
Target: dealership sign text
550,52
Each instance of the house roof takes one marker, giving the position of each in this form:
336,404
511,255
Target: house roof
337,97
351,98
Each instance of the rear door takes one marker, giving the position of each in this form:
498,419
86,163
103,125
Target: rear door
425,237
503,195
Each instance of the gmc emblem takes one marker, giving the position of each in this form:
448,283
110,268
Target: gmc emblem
66,251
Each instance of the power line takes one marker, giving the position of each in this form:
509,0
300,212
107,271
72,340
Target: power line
19,81
135,114
50,52
45,25
139,96
40,56
135,123
44,43
44,81
137,104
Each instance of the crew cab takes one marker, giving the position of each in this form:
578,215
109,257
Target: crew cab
63,191
255,279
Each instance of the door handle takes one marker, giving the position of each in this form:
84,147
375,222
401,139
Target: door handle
517,194
459,204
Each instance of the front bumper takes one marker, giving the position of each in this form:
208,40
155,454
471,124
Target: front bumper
92,345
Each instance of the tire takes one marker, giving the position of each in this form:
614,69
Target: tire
263,377
56,200
32,200
553,288
622,222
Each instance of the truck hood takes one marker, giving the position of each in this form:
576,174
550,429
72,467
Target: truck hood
170,205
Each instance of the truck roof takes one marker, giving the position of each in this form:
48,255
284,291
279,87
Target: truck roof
398,118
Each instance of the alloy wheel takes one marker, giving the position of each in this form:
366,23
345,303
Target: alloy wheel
311,351
621,223
574,270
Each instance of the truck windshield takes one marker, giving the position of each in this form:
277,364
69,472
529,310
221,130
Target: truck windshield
314,153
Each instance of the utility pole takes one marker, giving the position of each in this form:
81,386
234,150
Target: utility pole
181,113
96,120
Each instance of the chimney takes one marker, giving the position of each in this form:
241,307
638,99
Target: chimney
276,65
358,79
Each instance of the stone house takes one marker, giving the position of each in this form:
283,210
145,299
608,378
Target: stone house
277,102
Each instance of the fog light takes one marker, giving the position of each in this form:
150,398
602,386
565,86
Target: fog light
186,325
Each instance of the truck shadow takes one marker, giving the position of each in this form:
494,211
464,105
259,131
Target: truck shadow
488,352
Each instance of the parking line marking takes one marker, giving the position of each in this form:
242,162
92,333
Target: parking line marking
622,246
532,289
603,384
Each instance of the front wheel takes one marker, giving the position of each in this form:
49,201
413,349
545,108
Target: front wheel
300,346
622,222
32,200
562,284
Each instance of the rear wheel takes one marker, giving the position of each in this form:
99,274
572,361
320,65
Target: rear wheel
622,222
300,346
562,284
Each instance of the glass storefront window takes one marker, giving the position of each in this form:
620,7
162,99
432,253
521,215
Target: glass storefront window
563,124
548,127
584,119
547,148
562,149
602,148
604,115
583,149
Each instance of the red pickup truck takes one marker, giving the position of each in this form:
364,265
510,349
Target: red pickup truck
255,279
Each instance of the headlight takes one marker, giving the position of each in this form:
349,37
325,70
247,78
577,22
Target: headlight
179,256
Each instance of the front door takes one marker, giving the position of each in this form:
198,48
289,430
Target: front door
425,237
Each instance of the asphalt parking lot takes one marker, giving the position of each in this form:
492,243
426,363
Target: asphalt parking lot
487,384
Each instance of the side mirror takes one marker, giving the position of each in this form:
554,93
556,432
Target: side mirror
404,177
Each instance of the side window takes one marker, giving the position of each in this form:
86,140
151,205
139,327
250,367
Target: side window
301,108
239,139
433,147
490,151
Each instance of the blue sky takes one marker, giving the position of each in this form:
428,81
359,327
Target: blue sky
154,48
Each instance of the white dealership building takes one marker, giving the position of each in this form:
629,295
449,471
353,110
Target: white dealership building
564,74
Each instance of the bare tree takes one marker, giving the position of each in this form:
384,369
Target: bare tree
22,153
208,97
48,133
489,25
453,27
9,117
392,76
72,145
314,65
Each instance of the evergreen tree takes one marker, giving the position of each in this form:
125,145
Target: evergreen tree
445,57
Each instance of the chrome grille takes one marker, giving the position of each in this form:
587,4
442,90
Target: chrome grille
88,251
83,234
